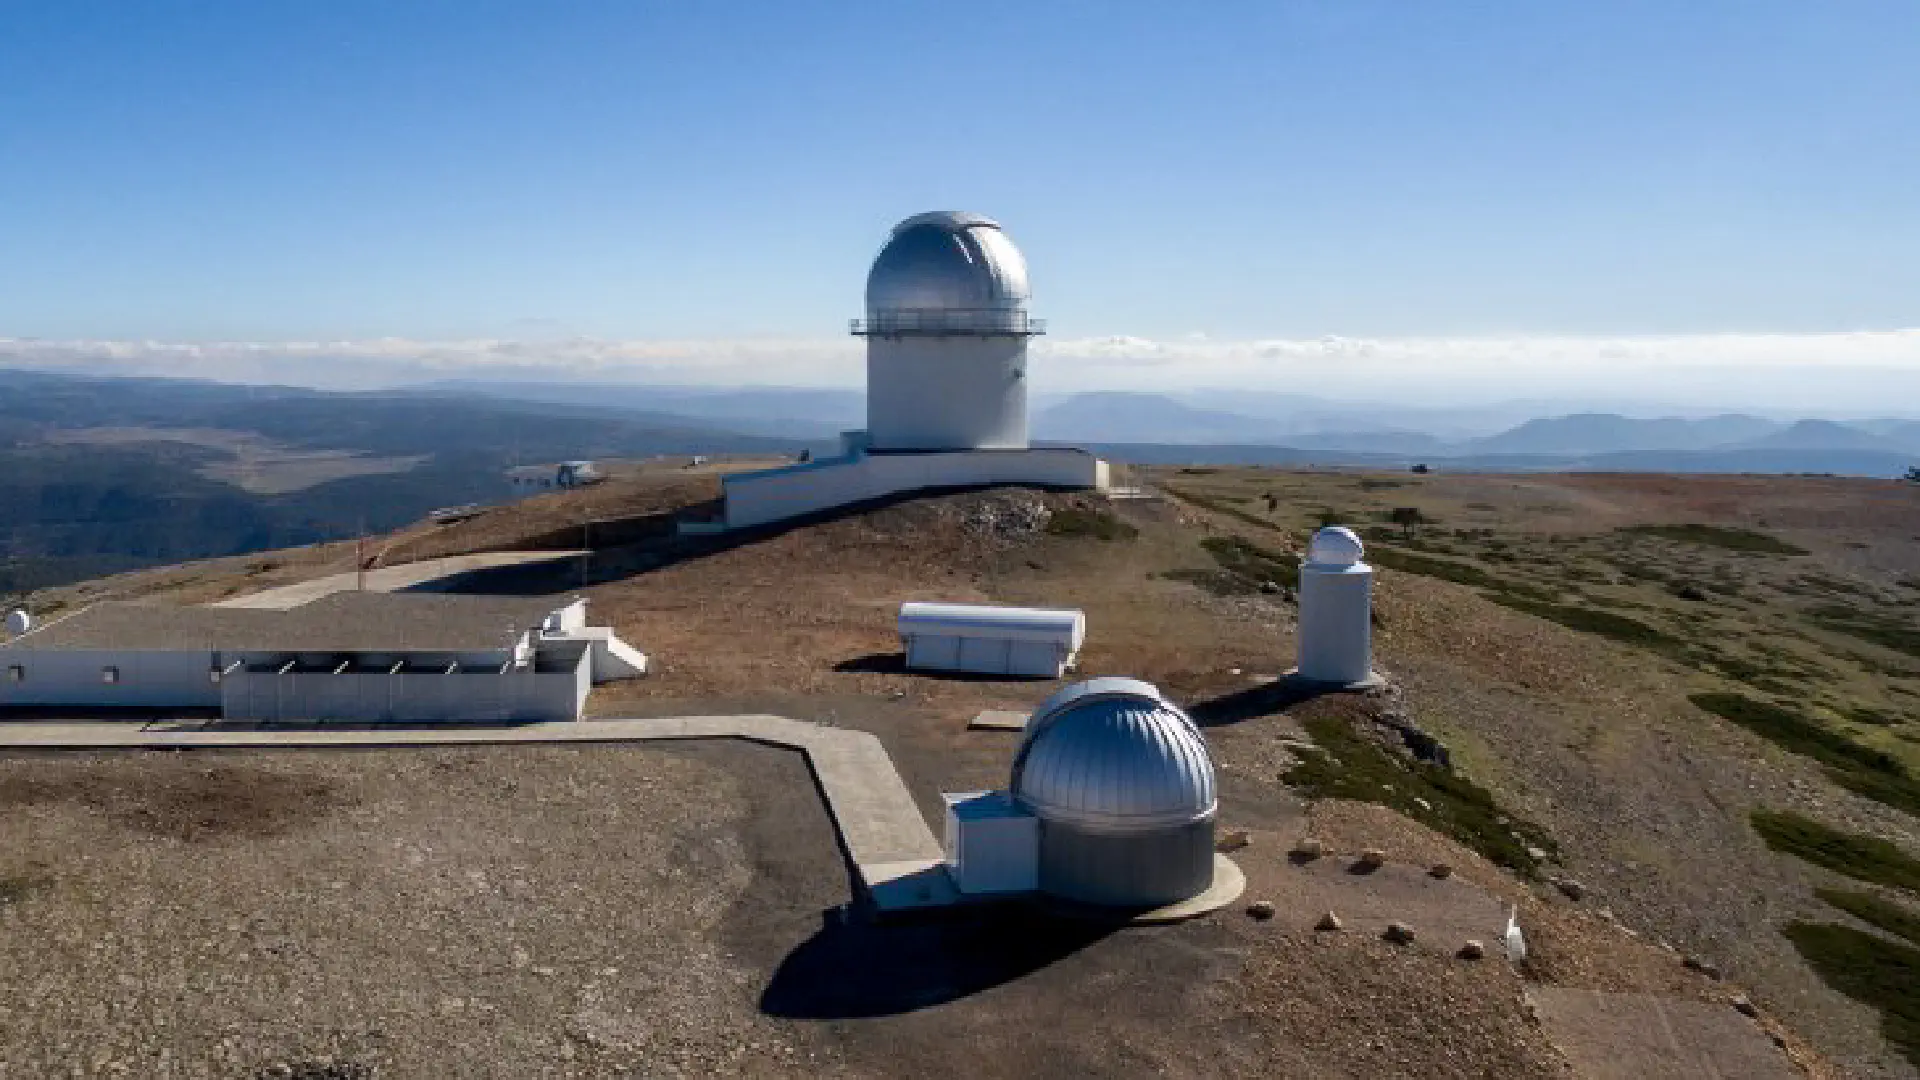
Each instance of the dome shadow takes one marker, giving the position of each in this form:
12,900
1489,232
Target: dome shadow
854,967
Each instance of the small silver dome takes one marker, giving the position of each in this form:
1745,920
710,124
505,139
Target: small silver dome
947,261
1114,755
1335,545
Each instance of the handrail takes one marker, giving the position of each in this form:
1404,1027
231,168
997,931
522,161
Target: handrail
948,321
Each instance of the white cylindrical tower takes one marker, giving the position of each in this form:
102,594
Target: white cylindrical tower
1336,610
947,331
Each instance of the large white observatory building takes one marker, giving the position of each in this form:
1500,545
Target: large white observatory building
946,330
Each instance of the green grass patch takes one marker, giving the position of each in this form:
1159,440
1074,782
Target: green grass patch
1717,537
1252,562
1606,624
1866,714
1865,858
1870,969
1100,524
1863,770
1219,507
1875,910
1347,765
1893,632
1445,569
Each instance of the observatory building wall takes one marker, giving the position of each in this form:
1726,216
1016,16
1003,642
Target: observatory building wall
141,678
1133,869
959,392
555,690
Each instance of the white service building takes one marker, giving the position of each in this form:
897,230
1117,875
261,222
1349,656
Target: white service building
348,657
947,330
1037,642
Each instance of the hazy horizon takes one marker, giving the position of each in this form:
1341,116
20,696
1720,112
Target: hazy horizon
1858,374
1709,204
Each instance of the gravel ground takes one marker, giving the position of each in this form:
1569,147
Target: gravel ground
536,911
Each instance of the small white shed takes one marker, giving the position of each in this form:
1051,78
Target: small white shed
1036,642
992,843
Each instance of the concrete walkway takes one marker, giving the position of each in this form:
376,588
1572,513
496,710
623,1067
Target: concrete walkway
894,853
392,578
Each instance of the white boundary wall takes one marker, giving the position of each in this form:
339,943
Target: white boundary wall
777,494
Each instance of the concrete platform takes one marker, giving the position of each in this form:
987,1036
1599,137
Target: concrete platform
894,853
392,578
999,720
1229,884
1373,681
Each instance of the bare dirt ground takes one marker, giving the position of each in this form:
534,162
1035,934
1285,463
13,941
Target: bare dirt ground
1594,739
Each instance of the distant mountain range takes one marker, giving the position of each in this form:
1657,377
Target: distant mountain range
1129,424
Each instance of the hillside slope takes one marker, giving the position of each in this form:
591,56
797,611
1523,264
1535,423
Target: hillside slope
1643,799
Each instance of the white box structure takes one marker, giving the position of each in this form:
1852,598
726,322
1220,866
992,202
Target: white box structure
1032,642
992,843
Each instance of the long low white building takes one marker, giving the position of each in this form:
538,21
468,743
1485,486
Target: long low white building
857,476
353,657
987,640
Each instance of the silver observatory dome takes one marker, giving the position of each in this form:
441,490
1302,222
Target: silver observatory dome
1122,783
1114,754
948,269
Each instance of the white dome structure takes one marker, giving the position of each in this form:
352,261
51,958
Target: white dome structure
1335,545
947,329
1123,787
948,263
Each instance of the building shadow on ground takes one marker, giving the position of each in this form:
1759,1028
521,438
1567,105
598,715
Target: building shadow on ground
855,967
1254,702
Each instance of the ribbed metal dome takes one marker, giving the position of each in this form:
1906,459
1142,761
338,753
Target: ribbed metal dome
1114,755
947,261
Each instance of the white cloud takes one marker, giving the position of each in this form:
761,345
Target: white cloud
1741,369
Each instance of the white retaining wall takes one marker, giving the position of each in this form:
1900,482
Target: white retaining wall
778,494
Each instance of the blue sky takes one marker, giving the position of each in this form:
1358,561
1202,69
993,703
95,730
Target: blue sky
434,171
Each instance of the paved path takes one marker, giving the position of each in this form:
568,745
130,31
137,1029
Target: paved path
896,856
392,578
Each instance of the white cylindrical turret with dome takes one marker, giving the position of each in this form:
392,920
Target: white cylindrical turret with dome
947,329
1336,611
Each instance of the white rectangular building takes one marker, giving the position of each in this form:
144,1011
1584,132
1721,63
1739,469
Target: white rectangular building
350,657
987,640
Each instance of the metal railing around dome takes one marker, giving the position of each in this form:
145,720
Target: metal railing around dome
939,322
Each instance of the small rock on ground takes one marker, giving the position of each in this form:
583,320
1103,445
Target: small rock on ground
1399,933
1442,871
1261,909
1694,963
1329,922
1473,950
